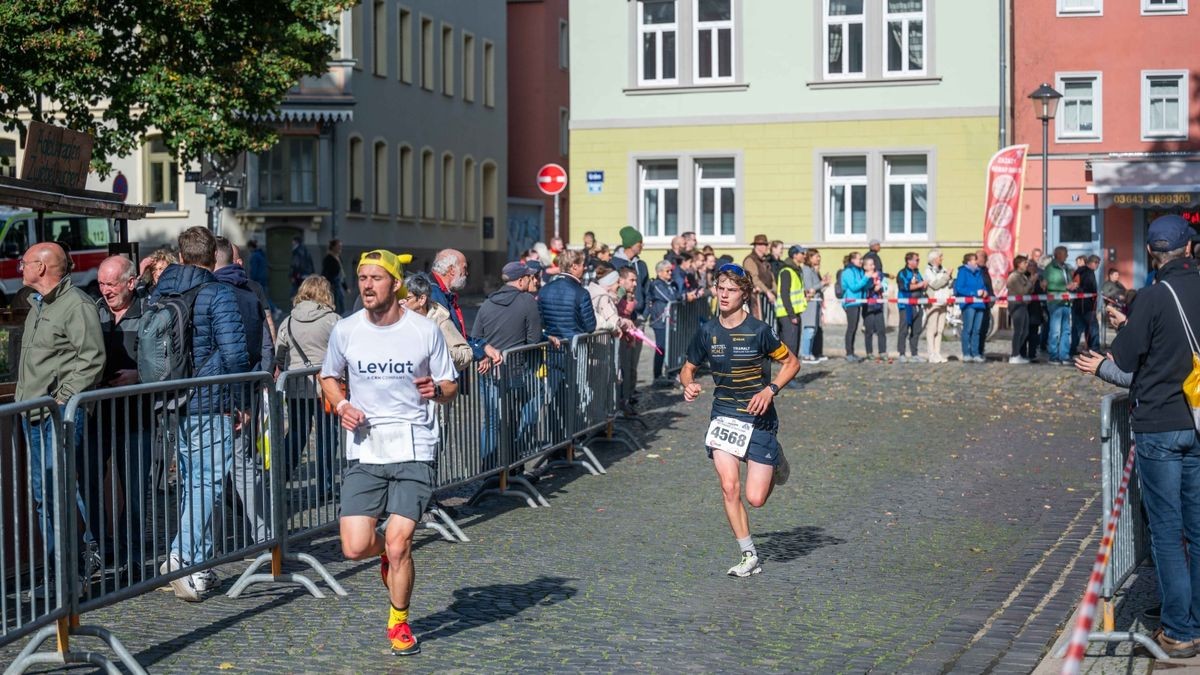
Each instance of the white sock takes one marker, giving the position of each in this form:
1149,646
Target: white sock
747,545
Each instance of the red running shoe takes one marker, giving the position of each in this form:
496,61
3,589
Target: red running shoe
404,643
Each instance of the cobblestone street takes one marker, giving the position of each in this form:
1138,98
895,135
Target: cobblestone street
928,526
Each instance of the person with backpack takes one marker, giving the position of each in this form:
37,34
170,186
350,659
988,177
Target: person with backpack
1157,344
188,294
851,288
247,472
303,338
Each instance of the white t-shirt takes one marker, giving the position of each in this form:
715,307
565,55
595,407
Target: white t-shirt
380,364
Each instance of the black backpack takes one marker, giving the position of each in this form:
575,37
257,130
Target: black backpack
164,340
838,291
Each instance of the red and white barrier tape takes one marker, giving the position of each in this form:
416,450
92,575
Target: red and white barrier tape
1087,610
964,300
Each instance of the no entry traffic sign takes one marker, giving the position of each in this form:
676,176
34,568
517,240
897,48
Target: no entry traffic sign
552,179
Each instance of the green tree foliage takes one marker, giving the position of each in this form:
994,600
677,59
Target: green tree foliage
203,72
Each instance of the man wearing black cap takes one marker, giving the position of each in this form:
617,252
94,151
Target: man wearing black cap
1154,345
508,318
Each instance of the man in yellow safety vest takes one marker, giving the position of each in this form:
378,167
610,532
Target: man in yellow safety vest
790,301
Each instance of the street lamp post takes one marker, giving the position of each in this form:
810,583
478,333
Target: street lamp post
1045,105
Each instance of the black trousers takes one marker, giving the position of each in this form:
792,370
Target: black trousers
853,313
789,333
876,327
1018,312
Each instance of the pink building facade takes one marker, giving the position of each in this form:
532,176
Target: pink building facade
1124,146
539,103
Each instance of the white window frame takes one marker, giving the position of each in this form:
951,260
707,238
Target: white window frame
1061,134
161,163
715,27
1181,132
716,184
908,182
907,18
658,236
848,182
827,20
1176,7
1095,9
659,29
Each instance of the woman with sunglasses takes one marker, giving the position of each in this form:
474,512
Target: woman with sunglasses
744,423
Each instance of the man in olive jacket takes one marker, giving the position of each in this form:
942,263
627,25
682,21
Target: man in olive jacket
62,354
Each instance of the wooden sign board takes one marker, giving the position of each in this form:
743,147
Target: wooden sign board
56,157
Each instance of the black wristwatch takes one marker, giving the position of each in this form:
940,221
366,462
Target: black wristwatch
773,387
437,390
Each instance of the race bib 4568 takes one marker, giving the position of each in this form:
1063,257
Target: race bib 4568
729,435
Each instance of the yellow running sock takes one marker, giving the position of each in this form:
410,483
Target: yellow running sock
397,616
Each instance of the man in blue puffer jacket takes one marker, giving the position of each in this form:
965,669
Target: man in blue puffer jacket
205,439
565,304
969,283
566,309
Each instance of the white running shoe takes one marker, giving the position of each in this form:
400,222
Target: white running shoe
205,581
782,470
748,566
1020,360
184,586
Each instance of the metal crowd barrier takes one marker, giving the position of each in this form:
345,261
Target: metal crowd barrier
35,559
127,539
1131,542
256,476
683,320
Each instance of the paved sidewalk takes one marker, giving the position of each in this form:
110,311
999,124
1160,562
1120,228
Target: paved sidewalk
929,526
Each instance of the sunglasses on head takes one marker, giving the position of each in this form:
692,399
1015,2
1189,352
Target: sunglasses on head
736,270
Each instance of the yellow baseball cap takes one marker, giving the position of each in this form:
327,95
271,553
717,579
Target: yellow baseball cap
389,261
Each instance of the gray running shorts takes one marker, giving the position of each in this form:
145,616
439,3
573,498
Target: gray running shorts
376,490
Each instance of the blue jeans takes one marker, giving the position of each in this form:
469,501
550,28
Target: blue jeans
1059,344
972,318
1085,324
1168,465
501,400
40,441
205,456
806,341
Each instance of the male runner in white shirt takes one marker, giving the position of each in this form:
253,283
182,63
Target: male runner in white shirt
398,367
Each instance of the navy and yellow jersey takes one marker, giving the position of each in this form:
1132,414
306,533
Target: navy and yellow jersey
738,358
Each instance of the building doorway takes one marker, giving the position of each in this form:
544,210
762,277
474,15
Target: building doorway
279,264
